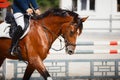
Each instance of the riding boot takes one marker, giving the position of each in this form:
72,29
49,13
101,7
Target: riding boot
15,39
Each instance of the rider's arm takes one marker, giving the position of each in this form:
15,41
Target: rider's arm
22,3
34,4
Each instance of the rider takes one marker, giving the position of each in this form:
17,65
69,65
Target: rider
21,7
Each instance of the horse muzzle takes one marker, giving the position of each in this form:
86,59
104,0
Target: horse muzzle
70,50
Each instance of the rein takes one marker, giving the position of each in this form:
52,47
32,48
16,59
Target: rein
61,48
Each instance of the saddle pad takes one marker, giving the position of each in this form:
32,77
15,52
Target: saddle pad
4,30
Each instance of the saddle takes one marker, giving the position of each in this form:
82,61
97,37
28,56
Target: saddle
8,27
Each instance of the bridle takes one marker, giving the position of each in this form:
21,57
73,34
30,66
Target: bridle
67,43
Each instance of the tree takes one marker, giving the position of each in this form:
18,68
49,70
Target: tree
46,4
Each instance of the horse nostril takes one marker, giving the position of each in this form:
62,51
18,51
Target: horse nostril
70,52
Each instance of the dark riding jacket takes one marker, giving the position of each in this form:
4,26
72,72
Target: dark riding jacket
23,5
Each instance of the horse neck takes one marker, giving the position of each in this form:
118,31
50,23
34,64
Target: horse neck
51,29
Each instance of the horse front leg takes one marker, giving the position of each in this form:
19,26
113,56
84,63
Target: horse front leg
28,72
39,66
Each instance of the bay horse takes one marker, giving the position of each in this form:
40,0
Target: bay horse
43,32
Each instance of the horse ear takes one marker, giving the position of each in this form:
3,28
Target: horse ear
84,19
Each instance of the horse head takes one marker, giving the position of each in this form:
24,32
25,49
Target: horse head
71,32
65,22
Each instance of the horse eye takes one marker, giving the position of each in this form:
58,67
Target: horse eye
71,33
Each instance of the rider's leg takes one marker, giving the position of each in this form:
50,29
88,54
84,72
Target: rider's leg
19,18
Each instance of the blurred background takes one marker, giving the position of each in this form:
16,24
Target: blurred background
98,52
46,4
104,15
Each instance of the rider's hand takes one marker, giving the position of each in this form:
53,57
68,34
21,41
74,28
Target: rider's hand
29,11
37,11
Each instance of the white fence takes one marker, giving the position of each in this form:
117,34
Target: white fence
110,23
69,67
98,47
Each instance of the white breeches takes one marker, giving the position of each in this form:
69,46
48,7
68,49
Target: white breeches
19,18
